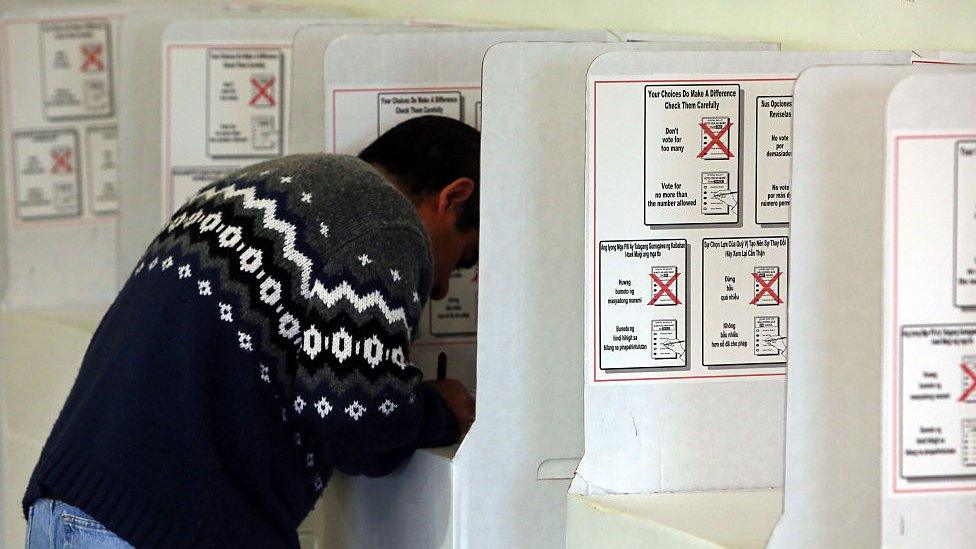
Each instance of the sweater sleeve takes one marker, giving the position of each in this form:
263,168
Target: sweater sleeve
356,391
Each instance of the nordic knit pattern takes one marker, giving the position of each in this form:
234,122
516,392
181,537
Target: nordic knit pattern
262,340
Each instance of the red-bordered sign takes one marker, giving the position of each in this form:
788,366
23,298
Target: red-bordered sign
896,321
596,241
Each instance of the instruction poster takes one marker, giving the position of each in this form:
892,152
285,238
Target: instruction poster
932,374
774,152
690,257
77,71
692,157
643,301
744,282
46,174
244,110
226,108
938,415
59,119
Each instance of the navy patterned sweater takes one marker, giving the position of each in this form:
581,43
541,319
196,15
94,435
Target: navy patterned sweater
262,341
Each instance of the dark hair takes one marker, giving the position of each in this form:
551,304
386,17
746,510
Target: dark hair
425,154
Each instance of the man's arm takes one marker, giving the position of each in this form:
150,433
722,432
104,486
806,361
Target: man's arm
360,395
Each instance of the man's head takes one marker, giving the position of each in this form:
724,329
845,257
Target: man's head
435,162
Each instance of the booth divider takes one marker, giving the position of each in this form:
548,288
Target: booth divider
878,432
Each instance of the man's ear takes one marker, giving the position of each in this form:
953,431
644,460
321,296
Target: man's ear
455,194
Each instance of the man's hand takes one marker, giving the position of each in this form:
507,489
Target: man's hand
458,399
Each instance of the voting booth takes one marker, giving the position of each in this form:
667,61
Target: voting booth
528,434
688,277
880,437
445,497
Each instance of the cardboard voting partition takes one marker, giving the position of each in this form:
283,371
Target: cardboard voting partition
879,438
59,90
688,267
508,479
142,59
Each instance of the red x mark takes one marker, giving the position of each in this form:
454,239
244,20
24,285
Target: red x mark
766,288
62,161
665,289
93,58
972,386
715,140
262,92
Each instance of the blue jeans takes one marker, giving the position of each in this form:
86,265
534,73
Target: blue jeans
53,524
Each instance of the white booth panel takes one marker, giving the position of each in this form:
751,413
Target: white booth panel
687,271
528,436
878,446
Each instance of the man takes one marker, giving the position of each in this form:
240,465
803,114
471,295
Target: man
262,341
